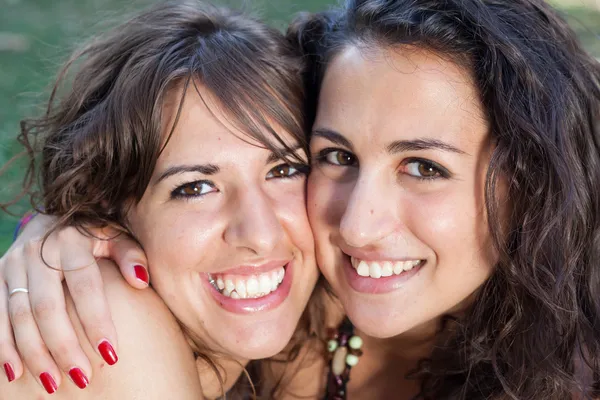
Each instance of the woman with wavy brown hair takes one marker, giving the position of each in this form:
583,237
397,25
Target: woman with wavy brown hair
181,127
454,199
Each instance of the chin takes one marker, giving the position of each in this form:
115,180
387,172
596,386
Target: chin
377,321
262,343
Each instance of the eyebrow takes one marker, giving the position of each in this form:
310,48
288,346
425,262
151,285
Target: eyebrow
333,137
273,157
397,146
212,169
421,144
206,169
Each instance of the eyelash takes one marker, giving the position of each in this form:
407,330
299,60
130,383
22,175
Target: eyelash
442,172
301,170
177,193
322,155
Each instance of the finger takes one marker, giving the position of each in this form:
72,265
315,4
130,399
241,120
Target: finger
9,357
87,291
56,329
131,259
27,336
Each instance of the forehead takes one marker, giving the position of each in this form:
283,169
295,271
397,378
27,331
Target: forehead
203,132
400,90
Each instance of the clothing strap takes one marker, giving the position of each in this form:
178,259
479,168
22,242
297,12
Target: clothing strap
29,215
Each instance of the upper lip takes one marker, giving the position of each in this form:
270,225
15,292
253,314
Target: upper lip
254,268
369,256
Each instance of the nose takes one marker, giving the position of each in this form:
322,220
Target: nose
254,224
371,212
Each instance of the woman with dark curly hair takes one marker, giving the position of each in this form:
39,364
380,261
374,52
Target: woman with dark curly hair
455,196
454,199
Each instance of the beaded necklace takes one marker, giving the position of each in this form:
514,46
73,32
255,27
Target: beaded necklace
343,350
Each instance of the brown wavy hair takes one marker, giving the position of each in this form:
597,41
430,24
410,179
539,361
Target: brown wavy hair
533,331
101,135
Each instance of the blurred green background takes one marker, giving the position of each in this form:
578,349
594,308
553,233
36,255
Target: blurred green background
37,35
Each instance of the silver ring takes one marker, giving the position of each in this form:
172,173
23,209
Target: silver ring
18,290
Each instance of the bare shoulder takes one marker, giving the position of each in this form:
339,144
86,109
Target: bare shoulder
155,359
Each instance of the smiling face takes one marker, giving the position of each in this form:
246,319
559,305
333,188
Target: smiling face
223,223
400,150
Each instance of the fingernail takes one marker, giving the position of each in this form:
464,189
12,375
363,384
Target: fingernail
48,382
108,352
141,273
10,373
79,378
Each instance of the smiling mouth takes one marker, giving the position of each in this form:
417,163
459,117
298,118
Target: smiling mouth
248,286
383,269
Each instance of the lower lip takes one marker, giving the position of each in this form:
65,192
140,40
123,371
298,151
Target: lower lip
369,285
265,303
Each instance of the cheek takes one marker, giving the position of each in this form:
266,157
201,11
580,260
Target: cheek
325,202
313,201
453,225
175,239
290,206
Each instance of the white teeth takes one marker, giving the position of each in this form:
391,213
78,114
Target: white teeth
378,269
240,288
362,269
398,267
387,268
220,284
252,287
264,284
374,270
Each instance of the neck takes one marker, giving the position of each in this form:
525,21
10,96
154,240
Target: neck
409,346
227,369
385,363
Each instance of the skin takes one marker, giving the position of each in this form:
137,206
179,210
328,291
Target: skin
155,361
369,202
252,211
246,214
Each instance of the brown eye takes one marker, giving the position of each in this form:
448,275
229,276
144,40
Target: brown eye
340,157
423,169
193,189
427,170
282,171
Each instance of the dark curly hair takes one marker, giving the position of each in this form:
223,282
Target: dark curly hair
533,331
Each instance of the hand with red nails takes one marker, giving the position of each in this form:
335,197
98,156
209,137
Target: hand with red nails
35,327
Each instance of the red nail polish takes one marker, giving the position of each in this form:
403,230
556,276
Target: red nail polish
108,352
48,382
141,273
79,378
10,374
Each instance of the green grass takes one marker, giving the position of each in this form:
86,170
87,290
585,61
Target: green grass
52,28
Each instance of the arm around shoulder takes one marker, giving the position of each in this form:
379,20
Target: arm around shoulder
155,360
